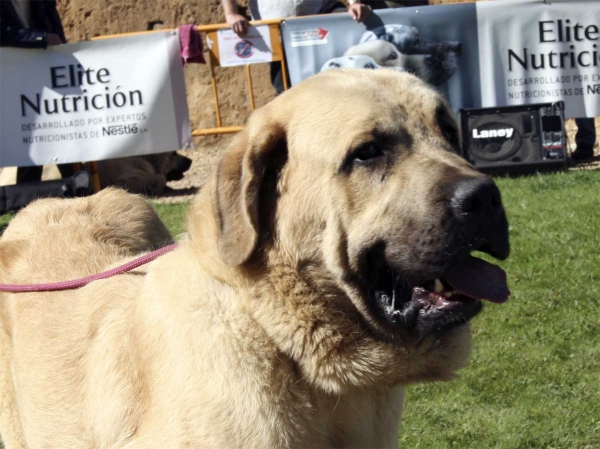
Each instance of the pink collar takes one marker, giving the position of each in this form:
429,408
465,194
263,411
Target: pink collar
68,285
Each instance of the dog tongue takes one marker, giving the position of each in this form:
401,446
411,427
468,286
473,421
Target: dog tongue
479,279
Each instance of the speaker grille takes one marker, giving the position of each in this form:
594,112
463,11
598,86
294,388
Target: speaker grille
505,137
494,149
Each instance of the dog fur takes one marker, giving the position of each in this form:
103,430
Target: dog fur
252,333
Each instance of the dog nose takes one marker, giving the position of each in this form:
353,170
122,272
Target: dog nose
476,203
476,198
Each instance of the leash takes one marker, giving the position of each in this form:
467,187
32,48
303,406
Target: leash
76,283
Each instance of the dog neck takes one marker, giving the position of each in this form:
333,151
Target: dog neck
314,331
306,314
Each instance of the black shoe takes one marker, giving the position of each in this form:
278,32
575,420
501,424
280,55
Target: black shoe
582,153
81,184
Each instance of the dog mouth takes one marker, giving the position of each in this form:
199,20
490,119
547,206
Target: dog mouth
434,305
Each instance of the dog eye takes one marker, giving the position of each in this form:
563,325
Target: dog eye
393,55
367,152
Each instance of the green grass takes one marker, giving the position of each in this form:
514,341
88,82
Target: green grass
534,376
4,219
174,216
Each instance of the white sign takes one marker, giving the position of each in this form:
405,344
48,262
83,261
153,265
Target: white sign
250,49
92,100
535,52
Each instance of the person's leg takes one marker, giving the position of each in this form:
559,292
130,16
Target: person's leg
277,77
585,138
27,174
66,170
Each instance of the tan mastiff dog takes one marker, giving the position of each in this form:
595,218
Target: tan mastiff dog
327,266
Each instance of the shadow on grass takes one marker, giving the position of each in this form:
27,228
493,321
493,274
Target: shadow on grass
507,171
592,164
169,192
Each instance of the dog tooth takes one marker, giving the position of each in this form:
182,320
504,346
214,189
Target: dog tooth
439,287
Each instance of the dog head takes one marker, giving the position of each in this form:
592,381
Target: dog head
385,54
353,179
405,38
441,59
351,62
171,165
382,52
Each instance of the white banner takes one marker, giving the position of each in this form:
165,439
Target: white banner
535,52
92,100
484,54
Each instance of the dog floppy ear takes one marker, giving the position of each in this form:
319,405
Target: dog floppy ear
237,186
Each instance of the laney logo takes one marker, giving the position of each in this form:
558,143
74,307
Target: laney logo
487,133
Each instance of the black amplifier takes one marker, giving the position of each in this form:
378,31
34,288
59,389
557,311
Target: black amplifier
515,138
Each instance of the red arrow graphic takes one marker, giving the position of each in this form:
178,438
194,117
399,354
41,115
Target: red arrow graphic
322,33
